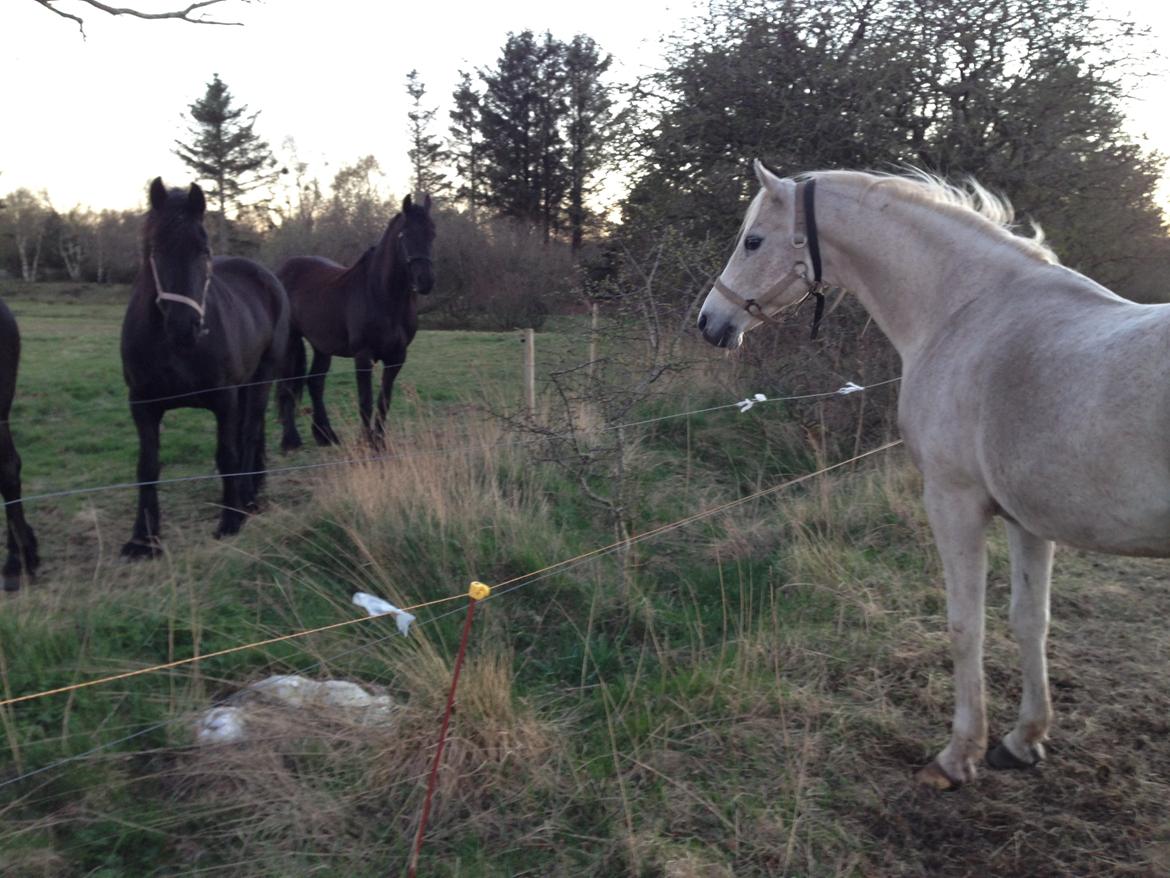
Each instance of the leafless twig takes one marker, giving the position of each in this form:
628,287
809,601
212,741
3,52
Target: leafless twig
177,14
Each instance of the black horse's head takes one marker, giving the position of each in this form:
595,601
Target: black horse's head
178,258
415,241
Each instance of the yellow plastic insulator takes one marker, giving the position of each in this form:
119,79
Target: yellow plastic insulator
479,591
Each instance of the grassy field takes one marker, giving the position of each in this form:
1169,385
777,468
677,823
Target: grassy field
747,696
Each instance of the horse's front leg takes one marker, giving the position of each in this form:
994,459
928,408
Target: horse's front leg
22,542
1031,559
363,371
227,461
959,518
144,541
393,365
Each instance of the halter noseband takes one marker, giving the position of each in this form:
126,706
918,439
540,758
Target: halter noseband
406,254
200,307
804,235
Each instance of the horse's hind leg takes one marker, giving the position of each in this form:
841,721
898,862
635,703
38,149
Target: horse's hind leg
288,393
22,542
1031,577
959,517
144,542
322,429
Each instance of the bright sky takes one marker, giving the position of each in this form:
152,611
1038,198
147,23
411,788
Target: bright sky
92,121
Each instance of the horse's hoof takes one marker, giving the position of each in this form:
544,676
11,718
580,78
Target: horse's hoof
138,551
226,530
935,778
1001,758
12,581
287,445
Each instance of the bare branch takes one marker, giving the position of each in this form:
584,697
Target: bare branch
177,14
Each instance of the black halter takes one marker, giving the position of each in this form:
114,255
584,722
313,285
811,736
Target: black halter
814,254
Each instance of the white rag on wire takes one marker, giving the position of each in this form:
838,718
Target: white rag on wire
375,606
745,404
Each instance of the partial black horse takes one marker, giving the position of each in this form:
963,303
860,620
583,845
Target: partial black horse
199,332
367,311
22,542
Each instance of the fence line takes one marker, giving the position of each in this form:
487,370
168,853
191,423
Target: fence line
95,489
186,394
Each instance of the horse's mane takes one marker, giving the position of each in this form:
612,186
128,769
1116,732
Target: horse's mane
970,198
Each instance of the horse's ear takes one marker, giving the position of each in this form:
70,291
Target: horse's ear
769,179
196,203
406,204
426,205
158,194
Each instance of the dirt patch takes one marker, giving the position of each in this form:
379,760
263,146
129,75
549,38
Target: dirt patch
1098,805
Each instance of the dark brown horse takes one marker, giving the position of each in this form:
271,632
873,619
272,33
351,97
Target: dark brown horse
367,311
208,333
22,542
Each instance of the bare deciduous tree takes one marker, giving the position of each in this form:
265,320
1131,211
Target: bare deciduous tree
23,219
191,13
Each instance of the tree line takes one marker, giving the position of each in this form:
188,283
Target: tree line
1025,97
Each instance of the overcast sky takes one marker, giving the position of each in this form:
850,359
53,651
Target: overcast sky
91,121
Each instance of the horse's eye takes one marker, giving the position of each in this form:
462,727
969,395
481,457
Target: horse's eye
752,242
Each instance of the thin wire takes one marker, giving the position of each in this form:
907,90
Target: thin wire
133,402
221,652
718,408
95,489
707,512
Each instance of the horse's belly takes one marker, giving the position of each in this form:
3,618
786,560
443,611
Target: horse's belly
1122,517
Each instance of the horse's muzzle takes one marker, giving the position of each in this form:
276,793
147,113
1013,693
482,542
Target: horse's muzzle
724,336
422,280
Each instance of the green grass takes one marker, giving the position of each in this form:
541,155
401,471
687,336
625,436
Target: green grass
743,697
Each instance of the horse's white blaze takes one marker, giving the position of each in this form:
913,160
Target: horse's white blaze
1029,391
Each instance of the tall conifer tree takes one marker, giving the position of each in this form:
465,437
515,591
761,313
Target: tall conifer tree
225,152
426,151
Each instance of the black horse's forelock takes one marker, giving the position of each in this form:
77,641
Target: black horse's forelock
167,225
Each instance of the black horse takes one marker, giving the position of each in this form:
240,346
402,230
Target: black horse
22,542
367,311
204,333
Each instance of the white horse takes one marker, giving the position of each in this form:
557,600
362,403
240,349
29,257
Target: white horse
1029,392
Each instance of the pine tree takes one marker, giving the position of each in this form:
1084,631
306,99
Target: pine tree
466,143
551,174
589,118
426,152
226,152
510,129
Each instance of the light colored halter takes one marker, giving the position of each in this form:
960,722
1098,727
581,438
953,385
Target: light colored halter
200,307
804,237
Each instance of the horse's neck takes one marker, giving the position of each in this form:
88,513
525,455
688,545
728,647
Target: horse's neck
387,274
913,266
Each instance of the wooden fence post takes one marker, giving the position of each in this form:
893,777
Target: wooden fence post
530,371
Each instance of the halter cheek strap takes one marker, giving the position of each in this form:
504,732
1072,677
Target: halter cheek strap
161,294
804,236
